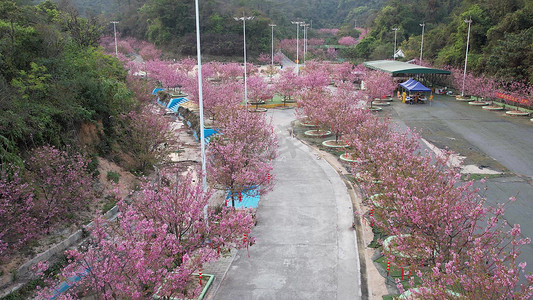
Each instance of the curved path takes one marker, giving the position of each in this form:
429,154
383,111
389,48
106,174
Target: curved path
305,244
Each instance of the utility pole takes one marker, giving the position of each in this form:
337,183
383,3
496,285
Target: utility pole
422,43
272,56
115,31
395,31
298,23
466,55
244,19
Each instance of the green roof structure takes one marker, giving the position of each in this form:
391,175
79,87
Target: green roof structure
397,68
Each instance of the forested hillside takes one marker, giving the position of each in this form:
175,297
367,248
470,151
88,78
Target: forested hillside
500,42
501,38
54,79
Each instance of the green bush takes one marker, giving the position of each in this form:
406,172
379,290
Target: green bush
113,176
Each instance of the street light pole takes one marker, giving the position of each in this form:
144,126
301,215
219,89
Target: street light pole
395,30
115,32
297,45
422,43
305,36
243,18
201,106
272,56
466,55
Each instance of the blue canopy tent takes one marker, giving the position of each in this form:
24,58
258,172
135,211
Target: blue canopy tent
418,87
412,85
408,82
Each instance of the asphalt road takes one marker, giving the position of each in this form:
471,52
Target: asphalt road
306,246
488,139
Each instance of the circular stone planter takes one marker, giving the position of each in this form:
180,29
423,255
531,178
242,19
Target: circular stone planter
381,103
374,108
462,98
409,293
317,133
385,99
347,158
517,113
477,103
307,124
388,245
333,144
260,109
492,107
373,199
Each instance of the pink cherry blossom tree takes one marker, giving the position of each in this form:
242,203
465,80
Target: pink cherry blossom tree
442,227
288,84
61,185
377,84
347,41
278,58
264,58
240,158
18,222
146,137
258,90
343,72
155,244
311,105
216,96
315,76
340,112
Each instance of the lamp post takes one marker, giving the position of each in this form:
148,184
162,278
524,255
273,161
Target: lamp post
115,32
305,27
466,55
201,106
297,44
395,31
422,43
243,18
272,56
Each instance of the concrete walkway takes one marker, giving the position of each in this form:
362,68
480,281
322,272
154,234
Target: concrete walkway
306,246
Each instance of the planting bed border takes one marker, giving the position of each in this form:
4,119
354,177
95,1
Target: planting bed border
324,143
517,113
322,133
492,107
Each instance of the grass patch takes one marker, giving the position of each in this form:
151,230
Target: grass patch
109,204
113,176
396,273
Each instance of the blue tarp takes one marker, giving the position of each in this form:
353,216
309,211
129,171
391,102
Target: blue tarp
414,86
250,199
208,132
154,92
408,82
418,87
175,103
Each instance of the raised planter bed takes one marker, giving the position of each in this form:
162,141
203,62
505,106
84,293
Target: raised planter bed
517,113
260,109
374,108
381,103
317,133
333,144
463,98
347,157
492,107
477,103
